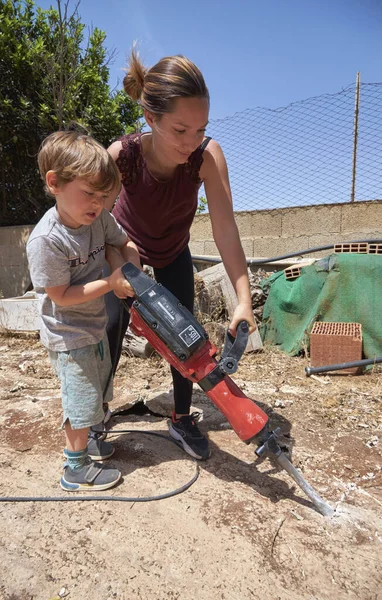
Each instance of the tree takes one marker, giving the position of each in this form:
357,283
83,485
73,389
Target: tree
47,80
202,205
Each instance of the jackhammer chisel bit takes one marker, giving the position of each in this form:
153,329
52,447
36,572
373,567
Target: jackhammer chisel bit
270,447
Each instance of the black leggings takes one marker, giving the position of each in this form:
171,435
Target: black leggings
178,277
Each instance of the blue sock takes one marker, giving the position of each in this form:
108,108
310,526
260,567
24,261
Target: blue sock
76,460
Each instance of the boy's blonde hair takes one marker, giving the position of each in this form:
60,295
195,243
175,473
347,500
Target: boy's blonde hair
73,155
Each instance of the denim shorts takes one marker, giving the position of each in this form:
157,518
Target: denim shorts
83,374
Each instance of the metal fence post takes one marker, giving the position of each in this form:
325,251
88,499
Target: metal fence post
355,137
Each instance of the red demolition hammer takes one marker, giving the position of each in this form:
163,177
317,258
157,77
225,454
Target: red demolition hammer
178,337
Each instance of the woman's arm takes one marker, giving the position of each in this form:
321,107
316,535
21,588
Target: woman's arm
214,174
114,151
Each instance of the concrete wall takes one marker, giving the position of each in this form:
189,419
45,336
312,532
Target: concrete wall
264,233
270,233
14,275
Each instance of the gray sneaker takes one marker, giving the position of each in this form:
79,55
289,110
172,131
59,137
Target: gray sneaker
98,449
93,476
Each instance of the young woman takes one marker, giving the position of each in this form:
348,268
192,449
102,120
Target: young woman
161,173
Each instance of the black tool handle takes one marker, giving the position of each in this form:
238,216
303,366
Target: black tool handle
234,348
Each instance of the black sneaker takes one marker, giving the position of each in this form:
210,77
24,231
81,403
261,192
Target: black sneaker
98,449
107,412
185,431
99,429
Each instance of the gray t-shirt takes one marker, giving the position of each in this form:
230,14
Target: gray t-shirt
59,255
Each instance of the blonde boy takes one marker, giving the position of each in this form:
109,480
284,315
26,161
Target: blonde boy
66,254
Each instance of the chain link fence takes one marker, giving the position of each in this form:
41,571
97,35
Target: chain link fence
321,150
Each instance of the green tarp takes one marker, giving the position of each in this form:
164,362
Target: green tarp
344,288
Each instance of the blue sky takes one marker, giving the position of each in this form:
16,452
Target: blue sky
252,53
269,54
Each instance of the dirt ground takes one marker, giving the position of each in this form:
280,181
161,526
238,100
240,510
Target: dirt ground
242,531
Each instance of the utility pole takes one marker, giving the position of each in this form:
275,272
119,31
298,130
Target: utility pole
355,137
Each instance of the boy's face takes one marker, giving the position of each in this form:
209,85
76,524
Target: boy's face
78,203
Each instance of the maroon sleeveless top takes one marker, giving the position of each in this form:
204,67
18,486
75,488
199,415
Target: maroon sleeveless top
157,215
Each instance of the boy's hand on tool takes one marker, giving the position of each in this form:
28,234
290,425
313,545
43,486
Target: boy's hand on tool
119,284
243,312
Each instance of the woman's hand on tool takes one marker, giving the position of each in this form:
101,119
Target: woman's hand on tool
119,284
243,312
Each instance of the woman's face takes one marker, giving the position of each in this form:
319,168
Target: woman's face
178,133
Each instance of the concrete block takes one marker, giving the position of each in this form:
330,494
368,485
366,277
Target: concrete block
6,236
373,235
266,223
27,231
15,236
197,248
20,314
360,217
244,223
5,255
217,276
210,248
14,281
18,256
272,247
311,220
247,247
201,228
